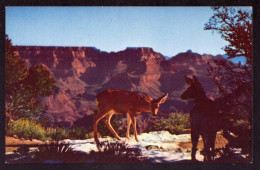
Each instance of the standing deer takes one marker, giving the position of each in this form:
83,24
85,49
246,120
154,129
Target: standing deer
111,102
204,119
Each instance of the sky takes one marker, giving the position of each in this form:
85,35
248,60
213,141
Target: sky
168,30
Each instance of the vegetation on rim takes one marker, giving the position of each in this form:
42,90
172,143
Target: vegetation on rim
32,129
234,82
23,86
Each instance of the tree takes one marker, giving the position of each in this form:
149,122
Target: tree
235,26
234,81
15,68
24,87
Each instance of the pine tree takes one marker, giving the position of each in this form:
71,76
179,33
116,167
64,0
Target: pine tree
24,87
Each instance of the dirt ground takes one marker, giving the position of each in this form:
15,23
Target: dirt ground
13,141
219,143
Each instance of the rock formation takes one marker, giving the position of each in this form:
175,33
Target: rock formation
83,72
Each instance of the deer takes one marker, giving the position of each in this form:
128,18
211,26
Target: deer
204,118
113,101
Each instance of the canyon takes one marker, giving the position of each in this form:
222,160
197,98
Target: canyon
83,72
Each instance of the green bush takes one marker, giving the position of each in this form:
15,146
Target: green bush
25,128
44,121
31,129
176,123
79,133
240,125
72,133
89,135
57,133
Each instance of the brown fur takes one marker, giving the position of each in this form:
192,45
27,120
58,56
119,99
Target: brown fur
111,102
203,118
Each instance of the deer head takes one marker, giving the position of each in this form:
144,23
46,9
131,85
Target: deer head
155,103
194,91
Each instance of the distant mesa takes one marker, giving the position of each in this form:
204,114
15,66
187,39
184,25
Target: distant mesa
83,72
167,57
136,48
189,51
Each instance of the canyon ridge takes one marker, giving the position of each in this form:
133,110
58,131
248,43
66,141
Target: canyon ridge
83,72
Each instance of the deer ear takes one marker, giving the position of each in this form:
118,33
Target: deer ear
188,80
146,97
162,99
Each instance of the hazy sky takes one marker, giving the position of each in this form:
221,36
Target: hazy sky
168,30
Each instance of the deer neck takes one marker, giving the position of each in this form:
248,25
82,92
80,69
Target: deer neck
145,106
200,100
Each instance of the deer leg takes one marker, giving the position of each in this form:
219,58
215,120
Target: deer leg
129,122
133,118
110,127
204,151
207,139
96,119
209,145
212,145
206,148
194,140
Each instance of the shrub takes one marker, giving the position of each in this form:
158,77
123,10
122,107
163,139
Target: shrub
22,150
240,125
227,155
78,133
32,129
57,133
58,152
115,152
176,123
108,152
89,135
52,151
243,130
26,128
45,121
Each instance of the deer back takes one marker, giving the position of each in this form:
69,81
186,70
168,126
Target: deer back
122,101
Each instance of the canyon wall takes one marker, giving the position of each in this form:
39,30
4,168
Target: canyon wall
82,72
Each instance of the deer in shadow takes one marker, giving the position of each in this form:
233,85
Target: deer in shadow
204,118
110,102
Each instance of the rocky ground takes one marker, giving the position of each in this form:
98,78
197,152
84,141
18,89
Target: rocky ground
172,147
220,142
